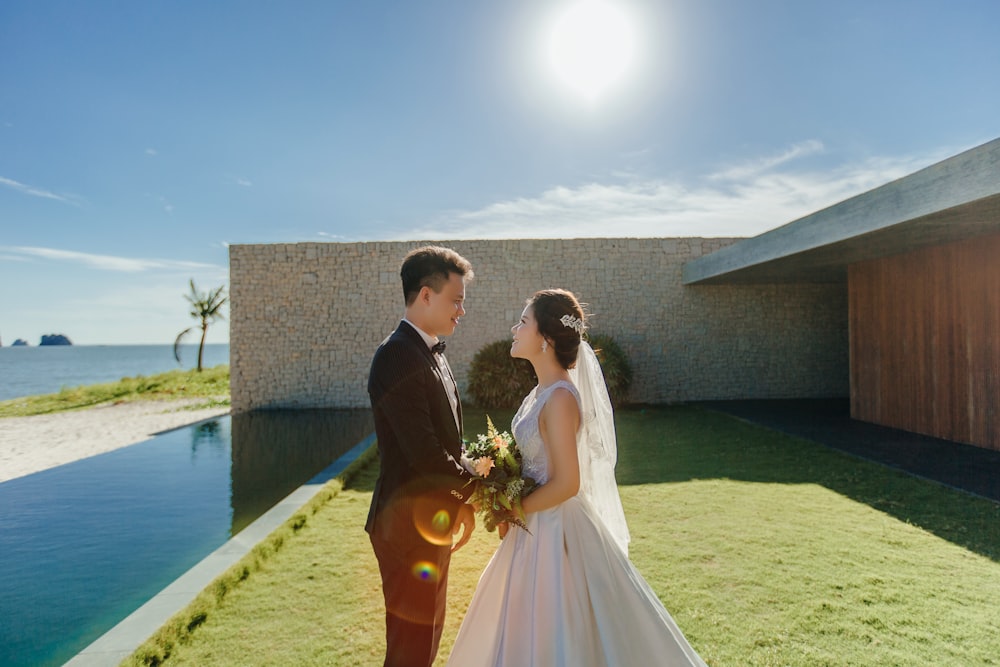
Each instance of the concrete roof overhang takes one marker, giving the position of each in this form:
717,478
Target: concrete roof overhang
955,199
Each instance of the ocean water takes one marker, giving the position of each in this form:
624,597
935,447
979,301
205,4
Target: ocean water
26,371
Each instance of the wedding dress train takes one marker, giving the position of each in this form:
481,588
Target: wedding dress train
564,594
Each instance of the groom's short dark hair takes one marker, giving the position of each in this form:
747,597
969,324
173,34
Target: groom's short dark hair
430,266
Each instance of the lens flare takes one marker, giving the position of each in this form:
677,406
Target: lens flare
432,522
425,571
441,521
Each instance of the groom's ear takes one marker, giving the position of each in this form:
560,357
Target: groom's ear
426,293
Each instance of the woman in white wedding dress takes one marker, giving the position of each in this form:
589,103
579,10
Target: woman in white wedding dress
565,593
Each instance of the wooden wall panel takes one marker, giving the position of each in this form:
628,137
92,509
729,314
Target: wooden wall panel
924,332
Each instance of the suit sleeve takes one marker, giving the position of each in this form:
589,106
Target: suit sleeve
402,389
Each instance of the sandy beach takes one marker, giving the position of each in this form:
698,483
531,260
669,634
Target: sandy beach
31,444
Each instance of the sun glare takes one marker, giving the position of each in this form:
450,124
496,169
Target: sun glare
591,47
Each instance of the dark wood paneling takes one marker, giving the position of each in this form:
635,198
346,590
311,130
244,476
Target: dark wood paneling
925,341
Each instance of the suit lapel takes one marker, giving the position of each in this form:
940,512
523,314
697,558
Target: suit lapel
406,329
458,399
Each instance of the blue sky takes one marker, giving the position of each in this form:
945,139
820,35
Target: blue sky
139,139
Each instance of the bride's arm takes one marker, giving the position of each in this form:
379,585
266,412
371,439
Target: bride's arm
558,423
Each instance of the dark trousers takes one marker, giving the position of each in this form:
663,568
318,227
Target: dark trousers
414,583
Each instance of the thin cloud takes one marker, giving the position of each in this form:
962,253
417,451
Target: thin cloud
151,151
237,180
750,199
162,201
638,153
107,262
35,192
761,165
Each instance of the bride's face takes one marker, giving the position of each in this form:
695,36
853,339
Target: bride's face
527,341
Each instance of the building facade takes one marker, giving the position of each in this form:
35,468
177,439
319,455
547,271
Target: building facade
307,317
891,297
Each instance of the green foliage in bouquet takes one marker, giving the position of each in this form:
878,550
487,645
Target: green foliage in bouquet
501,485
497,380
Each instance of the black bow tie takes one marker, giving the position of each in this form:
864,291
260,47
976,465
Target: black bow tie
438,348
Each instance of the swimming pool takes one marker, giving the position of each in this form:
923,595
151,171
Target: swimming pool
84,544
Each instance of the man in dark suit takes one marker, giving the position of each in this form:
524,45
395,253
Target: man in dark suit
418,505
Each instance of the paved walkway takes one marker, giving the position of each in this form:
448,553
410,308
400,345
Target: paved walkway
828,421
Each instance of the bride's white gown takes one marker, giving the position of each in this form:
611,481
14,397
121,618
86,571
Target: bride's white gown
566,594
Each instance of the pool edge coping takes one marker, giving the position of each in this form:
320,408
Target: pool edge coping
127,635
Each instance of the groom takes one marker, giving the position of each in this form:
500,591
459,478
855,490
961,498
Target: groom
418,503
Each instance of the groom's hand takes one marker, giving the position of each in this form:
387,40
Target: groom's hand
465,517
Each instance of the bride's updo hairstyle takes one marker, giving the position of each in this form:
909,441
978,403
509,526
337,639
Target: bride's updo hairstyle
551,307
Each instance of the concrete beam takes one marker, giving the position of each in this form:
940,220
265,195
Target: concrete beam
954,199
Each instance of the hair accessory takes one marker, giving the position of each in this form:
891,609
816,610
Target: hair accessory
574,323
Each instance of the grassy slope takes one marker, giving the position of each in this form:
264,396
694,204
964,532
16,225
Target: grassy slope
212,384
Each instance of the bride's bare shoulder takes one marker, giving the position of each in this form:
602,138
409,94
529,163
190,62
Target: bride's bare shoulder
561,404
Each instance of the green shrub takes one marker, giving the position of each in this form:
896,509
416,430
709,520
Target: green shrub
614,363
497,380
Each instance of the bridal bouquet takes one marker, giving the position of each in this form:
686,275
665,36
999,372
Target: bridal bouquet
496,461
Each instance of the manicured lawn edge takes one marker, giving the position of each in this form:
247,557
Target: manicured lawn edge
180,628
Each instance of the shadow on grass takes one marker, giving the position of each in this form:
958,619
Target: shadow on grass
671,444
364,479
681,443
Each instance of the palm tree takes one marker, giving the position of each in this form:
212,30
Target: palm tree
205,307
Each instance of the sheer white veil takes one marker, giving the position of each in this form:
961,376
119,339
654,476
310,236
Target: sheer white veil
597,446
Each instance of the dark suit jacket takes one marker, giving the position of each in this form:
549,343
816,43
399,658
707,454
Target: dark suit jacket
419,443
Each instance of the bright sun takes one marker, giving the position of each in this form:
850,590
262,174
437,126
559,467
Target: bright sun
591,47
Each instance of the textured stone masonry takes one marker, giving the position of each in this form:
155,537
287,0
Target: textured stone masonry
306,318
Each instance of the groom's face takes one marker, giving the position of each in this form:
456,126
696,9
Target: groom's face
443,309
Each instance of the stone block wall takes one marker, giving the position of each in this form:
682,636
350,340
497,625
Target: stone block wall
306,318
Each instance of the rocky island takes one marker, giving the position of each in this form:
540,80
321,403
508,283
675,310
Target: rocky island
55,339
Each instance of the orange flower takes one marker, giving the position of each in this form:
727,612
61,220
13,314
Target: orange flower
483,466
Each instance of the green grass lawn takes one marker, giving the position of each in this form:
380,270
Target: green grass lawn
767,550
211,384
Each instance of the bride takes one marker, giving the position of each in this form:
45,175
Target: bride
564,592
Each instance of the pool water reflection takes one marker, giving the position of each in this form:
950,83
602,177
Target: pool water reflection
85,544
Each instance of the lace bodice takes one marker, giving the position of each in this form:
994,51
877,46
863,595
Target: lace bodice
526,432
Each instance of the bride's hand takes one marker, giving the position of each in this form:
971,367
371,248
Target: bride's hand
502,529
